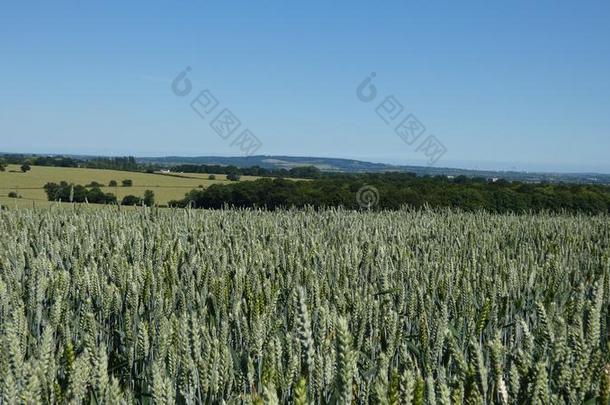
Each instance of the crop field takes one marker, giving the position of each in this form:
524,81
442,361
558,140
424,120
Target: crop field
405,307
30,185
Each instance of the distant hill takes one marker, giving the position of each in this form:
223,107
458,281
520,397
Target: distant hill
349,166
358,166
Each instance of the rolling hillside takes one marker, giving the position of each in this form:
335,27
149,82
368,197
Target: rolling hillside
358,166
166,187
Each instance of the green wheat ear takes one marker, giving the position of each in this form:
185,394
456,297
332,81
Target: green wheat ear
304,332
270,395
344,362
604,386
419,392
300,392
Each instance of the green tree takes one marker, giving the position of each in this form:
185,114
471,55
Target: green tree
127,183
97,196
25,167
149,198
112,183
233,176
131,200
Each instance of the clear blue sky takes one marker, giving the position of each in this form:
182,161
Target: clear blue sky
519,84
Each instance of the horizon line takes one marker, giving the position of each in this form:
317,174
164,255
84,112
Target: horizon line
465,165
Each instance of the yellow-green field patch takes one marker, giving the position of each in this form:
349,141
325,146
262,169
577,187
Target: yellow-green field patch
30,185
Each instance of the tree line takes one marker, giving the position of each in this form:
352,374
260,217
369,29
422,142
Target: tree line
129,163
125,163
304,172
93,194
394,190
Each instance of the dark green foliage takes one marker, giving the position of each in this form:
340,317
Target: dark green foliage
76,193
396,190
305,172
115,163
149,198
131,200
56,161
233,177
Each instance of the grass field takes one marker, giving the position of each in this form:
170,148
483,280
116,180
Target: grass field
166,187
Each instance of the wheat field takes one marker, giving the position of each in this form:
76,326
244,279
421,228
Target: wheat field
236,306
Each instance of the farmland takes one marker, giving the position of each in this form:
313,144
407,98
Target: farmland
196,306
29,185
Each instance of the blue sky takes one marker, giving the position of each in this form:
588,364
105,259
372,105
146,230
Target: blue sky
519,84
